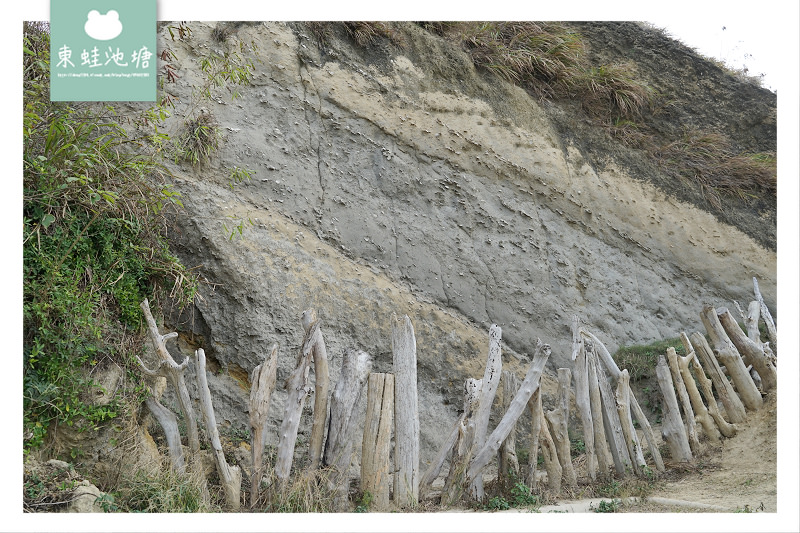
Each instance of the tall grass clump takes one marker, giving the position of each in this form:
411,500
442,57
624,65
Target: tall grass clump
94,206
613,90
545,57
708,159
162,490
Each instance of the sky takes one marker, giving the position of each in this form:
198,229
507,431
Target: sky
730,38
766,30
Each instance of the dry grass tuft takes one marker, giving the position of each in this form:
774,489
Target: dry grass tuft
708,159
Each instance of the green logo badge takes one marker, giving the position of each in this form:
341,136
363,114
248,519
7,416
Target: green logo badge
103,50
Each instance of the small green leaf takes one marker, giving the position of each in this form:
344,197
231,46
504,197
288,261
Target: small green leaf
47,220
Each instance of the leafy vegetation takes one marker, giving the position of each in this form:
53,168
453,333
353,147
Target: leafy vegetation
607,507
641,360
94,206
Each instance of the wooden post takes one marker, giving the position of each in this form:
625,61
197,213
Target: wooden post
613,370
436,465
602,452
169,423
534,407
356,366
491,378
611,422
406,417
168,368
672,426
230,476
558,419
321,378
647,429
683,394
509,464
622,394
453,488
733,405
516,407
581,371
263,382
550,456
699,408
729,356
766,316
753,351
375,447
728,430
297,388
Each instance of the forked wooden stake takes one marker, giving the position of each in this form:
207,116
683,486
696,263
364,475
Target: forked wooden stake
262,384
229,476
406,414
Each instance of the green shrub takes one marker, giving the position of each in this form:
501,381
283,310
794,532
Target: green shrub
607,507
522,496
641,360
93,248
497,503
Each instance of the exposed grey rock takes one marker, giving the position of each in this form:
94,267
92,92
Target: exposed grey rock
419,186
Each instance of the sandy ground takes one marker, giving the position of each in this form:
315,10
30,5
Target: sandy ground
737,475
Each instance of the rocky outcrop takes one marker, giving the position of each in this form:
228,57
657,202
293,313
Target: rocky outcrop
402,180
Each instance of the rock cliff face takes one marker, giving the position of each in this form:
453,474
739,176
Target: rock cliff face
402,180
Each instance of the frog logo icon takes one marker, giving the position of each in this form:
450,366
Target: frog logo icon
103,27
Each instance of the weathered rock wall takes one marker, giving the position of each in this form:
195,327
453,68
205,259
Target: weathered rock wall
404,181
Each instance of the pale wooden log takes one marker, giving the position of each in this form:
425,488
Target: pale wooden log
230,476
672,428
426,482
321,384
297,389
683,395
462,448
262,384
534,407
611,422
766,317
622,395
647,430
727,429
174,373
733,405
376,444
751,350
491,379
169,423
751,320
508,461
729,356
550,457
581,371
356,366
558,419
602,452
753,333
701,412
614,372
406,417
603,355
515,409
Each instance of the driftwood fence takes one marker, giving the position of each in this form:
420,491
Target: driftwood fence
734,366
